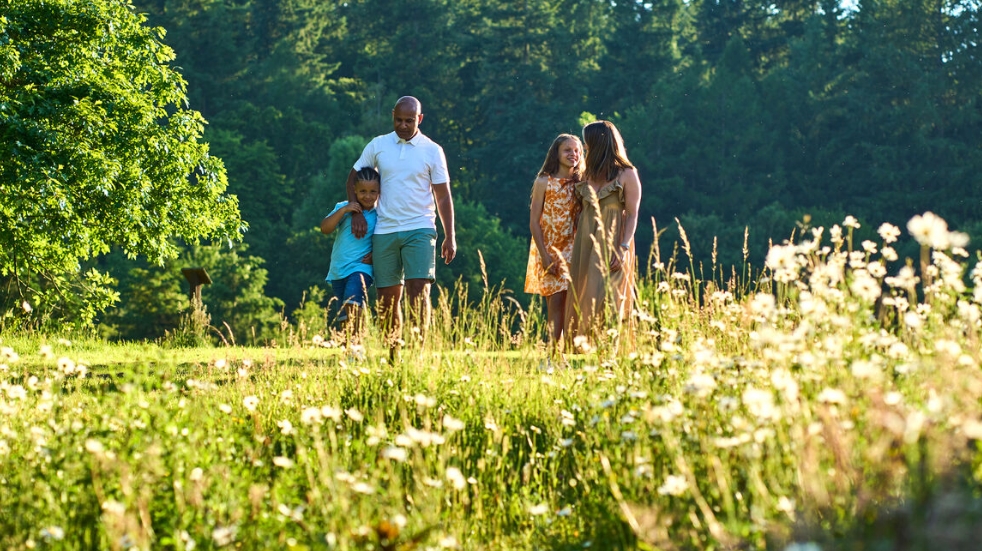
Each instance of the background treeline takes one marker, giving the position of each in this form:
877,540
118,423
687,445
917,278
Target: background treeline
738,113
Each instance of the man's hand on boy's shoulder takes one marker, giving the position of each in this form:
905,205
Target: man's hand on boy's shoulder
359,226
367,259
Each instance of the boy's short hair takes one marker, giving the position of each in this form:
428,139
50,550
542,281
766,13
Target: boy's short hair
369,174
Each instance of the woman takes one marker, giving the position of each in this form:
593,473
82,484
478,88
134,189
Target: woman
603,264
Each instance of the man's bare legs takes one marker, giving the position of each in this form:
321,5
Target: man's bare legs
418,293
390,315
390,310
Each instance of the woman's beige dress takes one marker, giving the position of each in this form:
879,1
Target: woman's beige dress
597,295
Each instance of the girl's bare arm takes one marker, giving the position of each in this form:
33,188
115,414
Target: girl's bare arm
535,220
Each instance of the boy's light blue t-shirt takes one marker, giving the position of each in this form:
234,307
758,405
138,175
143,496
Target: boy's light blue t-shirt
348,251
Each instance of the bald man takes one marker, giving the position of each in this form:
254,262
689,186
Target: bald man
415,190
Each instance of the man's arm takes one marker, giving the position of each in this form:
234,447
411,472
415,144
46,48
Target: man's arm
359,226
331,221
444,207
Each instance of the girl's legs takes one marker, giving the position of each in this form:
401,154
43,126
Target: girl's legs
555,310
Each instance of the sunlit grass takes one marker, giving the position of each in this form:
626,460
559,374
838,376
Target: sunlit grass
829,401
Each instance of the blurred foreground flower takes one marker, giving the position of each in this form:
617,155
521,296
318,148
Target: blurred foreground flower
250,402
53,532
930,230
223,535
674,485
888,232
395,453
452,424
66,365
832,396
283,462
582,344
7,354
456,478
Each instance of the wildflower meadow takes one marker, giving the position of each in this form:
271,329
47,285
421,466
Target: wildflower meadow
828,400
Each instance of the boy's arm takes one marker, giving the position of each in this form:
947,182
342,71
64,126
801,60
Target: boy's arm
331,221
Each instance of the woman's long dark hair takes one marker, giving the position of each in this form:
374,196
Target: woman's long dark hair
551,165
605,154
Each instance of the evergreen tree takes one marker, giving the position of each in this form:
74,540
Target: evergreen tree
524,86
733,166
641,44
213,44
890,148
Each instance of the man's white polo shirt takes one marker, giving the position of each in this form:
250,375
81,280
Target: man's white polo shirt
408,169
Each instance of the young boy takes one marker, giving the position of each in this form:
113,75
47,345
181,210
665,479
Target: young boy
351,258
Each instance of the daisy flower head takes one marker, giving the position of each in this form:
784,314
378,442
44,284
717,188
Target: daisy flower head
888,232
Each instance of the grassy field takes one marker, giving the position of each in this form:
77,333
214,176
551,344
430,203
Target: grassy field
833,403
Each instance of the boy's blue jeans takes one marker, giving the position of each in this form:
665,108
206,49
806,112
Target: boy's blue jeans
351,290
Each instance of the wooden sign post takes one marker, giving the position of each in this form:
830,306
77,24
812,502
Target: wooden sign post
197,320
196,277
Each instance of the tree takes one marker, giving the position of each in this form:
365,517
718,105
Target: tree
737,166
155,298
212,44
99,149
265,71
236,300
899,128
525,77
505,255
632,67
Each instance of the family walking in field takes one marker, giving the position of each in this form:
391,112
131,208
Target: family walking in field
583,215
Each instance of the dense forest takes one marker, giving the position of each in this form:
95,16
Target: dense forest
741,115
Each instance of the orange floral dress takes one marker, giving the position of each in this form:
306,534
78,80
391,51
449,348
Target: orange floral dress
558,209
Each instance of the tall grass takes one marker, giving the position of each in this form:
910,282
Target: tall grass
831,402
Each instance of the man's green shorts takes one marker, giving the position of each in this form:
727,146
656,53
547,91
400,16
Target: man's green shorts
404,255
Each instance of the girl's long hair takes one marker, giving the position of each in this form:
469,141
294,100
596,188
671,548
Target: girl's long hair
605,153
551,165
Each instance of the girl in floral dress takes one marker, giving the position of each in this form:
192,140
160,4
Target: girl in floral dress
552,223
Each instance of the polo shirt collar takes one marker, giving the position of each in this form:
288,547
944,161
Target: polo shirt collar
412,141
